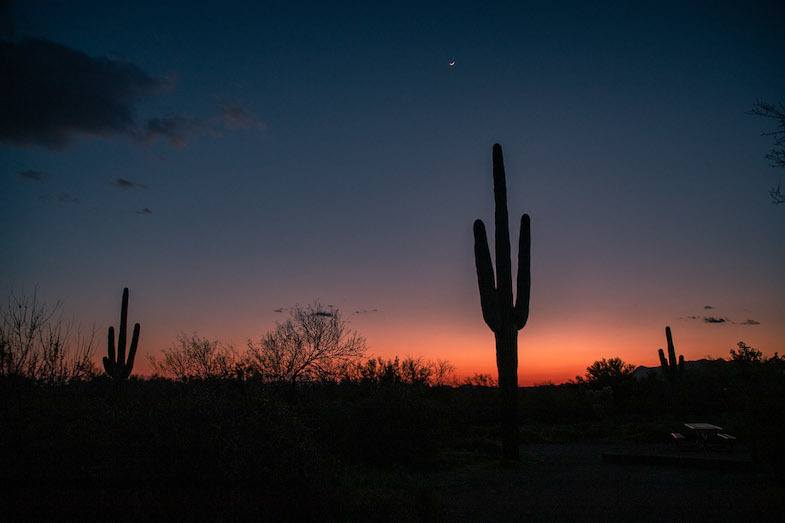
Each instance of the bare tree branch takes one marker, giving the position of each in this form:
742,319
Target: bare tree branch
193,357
37,343
314,343
776,155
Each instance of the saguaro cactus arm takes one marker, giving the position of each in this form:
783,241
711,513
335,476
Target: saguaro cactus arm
110,358
521,313
485,278
115,363
663,362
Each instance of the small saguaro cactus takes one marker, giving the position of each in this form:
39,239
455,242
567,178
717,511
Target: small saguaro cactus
503,317
116,365
670,369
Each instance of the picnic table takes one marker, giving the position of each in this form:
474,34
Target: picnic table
704,431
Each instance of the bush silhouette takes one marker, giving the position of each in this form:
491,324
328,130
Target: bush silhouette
36,343
193,357
609,372
746,354
314,343
409,370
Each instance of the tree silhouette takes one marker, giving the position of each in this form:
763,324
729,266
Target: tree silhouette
746,354
606,373
37,343
193,357
503,317
776,155
312,344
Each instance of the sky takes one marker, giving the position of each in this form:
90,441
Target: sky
228,159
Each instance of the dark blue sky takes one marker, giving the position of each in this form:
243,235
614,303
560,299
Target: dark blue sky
327,151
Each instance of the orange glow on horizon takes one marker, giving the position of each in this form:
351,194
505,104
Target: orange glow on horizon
546,354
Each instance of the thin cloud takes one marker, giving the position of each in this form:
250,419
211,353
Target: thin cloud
365,311
714,319
125,184
750,322
36,176
708,307
67,198
177,130
146,210
237,117
280,309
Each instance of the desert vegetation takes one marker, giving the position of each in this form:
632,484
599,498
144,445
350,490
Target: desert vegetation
304,422
672,368
38,343
350,435
116,365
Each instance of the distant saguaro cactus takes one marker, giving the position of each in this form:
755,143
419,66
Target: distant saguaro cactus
116,365
503,317
670,369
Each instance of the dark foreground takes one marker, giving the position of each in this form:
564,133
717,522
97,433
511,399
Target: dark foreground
569,481
229,450
566,481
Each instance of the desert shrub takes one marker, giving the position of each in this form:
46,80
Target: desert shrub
377,426
746,354
409,370
610,372
37,343
195,437
395,426
555,404
193,357
607,372
480,380
313,344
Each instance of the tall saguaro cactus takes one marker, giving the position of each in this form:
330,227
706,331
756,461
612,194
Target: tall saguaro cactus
116,365
670,369
504,317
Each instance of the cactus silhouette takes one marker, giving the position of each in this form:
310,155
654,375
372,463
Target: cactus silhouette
670,369
116,365
503,317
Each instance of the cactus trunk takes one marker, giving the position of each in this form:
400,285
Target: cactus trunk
507,365
672,369
502,316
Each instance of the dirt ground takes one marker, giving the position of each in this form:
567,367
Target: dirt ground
571,482
554,482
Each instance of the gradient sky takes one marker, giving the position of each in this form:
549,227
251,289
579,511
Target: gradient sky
277,154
